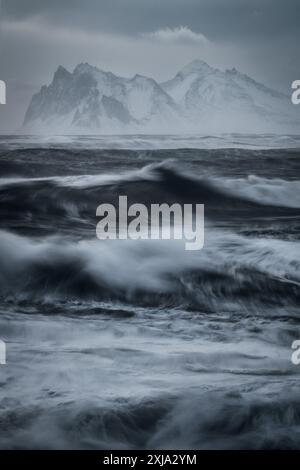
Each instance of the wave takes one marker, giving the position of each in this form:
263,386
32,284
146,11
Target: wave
138,142
273,192
244,418
151,273
50,203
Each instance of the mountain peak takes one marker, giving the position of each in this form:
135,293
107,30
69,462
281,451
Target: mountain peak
196,65
138,78
61,72
84,67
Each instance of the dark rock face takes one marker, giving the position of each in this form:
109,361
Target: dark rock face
115,109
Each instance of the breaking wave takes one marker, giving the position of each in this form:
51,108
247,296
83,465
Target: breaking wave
150,272
59,202
246,419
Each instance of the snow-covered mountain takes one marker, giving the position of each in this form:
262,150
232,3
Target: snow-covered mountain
198,99
230,101
90,100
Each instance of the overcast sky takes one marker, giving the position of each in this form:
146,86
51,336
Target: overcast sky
151,37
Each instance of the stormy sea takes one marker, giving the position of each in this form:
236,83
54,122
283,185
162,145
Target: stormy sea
140,344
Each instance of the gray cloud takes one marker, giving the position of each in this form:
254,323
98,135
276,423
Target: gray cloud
218,19
180,34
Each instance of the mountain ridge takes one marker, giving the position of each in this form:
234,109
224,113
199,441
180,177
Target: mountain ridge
199,98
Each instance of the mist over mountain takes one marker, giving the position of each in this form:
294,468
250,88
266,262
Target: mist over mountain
198,99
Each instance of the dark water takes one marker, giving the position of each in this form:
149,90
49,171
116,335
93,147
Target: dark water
141,344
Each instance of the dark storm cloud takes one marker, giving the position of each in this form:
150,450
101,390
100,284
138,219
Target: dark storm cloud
217,19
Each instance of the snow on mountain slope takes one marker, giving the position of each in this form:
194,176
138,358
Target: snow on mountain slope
90,100
198,99
179,86
230,101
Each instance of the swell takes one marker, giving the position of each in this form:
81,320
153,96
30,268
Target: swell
50,205
229,269
240,419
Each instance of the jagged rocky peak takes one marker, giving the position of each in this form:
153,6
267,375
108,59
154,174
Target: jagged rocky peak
196,66
232,71
85,67
138,78
62,73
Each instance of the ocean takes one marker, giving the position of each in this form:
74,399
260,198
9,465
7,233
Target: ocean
140,344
